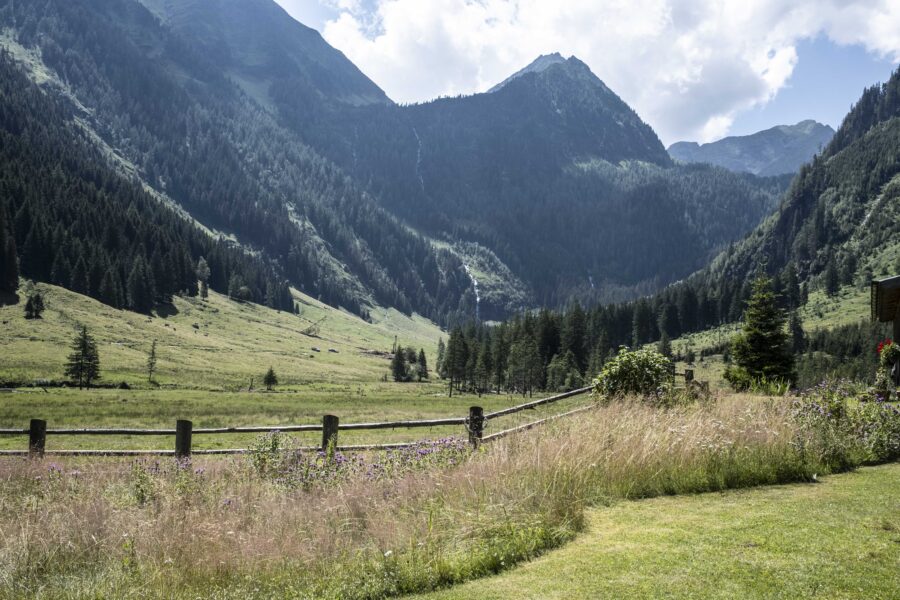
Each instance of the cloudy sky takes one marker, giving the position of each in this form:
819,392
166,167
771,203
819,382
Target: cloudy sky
693,69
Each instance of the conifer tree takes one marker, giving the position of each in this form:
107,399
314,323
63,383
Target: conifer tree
203,274
34,306
398,365
140,287
456,359
524,365
665,345
762,349
798,337
83,366
60,272
422,365
832,283
411,355
270,380
109,289
792,287
642,323
79,279
574,333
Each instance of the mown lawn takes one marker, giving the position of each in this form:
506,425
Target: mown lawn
839,538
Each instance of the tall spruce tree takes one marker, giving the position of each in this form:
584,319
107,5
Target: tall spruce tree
832,282
141,287
763,349
270,380
398,365
83,366
574,333
798,337
422,366
34,306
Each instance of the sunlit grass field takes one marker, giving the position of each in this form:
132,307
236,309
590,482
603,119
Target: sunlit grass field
215,344
204,373
152,409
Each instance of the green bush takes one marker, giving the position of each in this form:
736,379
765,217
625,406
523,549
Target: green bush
741,381
643,372
845,431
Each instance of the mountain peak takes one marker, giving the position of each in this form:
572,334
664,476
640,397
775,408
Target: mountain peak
805,127
565,94
538,65
774,151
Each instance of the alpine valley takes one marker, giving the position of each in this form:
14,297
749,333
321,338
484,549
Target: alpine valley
140,136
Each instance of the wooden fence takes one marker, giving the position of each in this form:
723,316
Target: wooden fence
184,432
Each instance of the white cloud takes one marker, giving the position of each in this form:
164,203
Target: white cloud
687,66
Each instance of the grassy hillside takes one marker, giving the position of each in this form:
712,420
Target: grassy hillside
204,371
836,539
217,344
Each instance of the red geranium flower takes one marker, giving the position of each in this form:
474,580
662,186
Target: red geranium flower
886,342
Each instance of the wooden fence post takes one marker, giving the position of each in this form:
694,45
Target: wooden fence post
37,438
329,432
476,425
183,430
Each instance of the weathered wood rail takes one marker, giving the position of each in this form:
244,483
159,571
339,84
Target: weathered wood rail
184,432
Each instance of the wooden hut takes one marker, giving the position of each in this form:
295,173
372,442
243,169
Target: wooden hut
886,302
885,308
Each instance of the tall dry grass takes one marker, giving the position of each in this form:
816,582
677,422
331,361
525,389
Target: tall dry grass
106,528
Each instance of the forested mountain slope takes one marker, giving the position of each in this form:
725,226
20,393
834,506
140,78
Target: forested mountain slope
249,126
841,208
553,174
776,151
166,114
76,222
839,224
269,54
839,218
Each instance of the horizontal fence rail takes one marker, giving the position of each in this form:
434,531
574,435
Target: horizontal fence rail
527,426
37,432
536,403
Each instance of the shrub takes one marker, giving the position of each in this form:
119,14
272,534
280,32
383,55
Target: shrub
742,381
643,372
844,431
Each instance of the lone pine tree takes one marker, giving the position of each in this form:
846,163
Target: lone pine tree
763,348
34,306
83,366
203,274
422,366
398,365
270,380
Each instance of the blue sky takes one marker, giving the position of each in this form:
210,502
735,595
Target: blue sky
826,81
693,69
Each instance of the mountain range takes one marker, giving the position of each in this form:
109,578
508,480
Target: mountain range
228,122
777,151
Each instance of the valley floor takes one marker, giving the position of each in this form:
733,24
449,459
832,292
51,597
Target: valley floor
839,538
